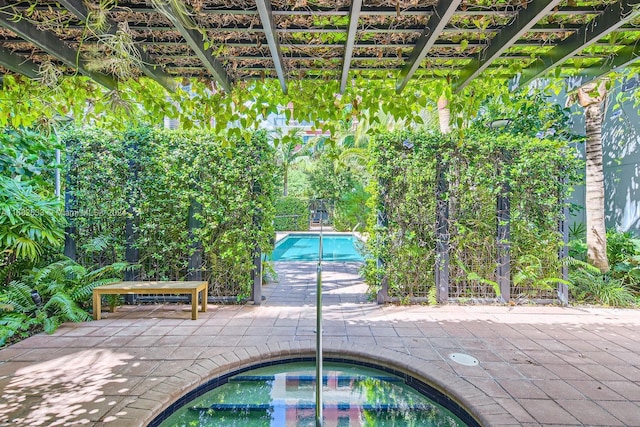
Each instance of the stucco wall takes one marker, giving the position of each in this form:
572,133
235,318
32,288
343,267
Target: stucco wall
621,149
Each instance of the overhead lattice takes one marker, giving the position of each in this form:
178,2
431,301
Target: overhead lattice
233,40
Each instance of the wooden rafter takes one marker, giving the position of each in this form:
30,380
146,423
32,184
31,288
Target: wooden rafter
614,17
187,27
354,15
269,28
444,10
18,64
147,66
51,44
625,57
524,21
370,11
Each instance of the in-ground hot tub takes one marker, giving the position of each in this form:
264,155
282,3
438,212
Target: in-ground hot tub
283,394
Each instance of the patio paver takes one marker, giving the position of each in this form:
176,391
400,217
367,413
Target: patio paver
539,365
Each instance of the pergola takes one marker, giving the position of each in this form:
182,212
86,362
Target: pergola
235,40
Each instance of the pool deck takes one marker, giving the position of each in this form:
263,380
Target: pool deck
538,365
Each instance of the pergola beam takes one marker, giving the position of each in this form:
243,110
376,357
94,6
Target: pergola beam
369,11
50,43
625,57
147,66
186,26
362,57
302,45
18,64
374,29
269,28
614,17
524,21
443,12
354,16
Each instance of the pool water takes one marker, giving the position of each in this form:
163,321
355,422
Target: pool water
284,395
304,247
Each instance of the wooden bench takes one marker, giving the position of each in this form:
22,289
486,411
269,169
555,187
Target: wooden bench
120,288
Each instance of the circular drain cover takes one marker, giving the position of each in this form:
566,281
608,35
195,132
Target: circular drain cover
464,359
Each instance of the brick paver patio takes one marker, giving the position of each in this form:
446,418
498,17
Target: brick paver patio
538,365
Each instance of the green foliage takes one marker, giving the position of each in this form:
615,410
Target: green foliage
403,189
531,273
621,245
351,211
590,285
327,183
156,178
65,288
533,170
96,164
28,156
29,222
291,214
620,284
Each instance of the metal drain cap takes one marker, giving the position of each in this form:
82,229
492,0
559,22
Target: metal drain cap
464,359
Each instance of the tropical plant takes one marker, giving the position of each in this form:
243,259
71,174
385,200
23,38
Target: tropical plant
290,149
531,273
623,253
28,156
46,297
29,222
590,285
591,97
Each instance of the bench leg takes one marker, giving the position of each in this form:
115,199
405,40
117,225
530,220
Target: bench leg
204,300
194,304
97,305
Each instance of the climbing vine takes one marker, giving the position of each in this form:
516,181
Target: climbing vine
530,161
154,178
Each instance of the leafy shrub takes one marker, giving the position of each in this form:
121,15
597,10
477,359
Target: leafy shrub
623,253
65,289
351,209
29,222
183,191
291,214
28,155
621,245
590,285
479,165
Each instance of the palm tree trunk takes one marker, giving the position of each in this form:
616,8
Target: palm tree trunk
444,114
594,203
594,181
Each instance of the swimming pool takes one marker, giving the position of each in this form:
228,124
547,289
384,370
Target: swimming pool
304,247
283,395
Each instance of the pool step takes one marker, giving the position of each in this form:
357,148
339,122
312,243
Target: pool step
312,378
262,407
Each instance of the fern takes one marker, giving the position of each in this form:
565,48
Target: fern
97,244
84,292
64,305
590,285
18,295
65,288
12,323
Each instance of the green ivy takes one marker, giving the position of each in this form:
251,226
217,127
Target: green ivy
154,177
534,172
291,214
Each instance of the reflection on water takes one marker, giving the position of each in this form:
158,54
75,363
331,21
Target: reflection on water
304,247
284,395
